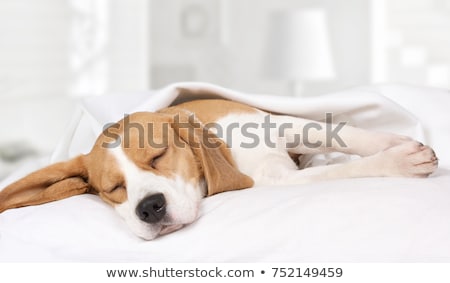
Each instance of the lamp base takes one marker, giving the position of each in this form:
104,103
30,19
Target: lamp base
296,89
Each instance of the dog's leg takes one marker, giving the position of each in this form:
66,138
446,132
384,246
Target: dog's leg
410,159
304,136
383,154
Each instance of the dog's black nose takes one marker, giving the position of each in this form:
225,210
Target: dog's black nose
152,208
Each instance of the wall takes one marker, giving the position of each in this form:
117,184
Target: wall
412,41
230,51
33,58
53,52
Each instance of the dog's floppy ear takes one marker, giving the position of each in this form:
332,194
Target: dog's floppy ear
218,167
55,182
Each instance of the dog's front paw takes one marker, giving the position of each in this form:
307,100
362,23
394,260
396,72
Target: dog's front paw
409,159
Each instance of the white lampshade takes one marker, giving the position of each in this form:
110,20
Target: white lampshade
298,46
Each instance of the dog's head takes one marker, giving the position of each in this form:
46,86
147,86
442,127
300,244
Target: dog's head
153,168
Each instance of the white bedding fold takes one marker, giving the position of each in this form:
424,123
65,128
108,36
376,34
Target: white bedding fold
360,107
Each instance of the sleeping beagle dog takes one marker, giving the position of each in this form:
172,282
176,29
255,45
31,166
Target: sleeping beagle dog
155,168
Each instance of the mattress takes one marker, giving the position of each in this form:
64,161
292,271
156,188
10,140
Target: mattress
348,220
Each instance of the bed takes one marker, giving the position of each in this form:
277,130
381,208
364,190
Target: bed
348,220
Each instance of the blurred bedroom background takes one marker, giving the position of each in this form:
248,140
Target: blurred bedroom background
55,52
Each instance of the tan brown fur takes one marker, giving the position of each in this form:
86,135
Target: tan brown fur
210,110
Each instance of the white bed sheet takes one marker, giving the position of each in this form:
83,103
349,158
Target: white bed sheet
355,220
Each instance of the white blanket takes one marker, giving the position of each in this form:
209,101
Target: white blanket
369,219
360,107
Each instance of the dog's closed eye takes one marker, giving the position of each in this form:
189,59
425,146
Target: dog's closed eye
155,159
116,188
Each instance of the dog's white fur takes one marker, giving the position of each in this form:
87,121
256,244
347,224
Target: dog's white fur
183,198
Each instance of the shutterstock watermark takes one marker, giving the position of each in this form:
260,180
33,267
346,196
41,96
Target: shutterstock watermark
188,131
